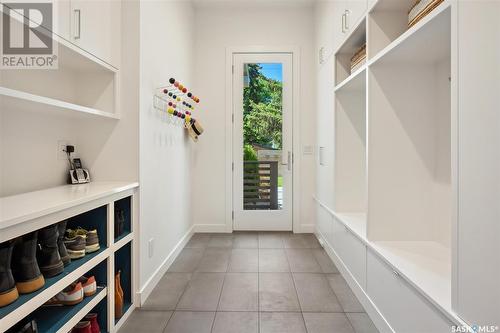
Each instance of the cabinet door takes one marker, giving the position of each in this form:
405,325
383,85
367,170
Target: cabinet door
355,10
325,133
339,31
95,27
405,309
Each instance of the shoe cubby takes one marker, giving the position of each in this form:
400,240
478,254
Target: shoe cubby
350,151
62,318
80,85
88,209
410,139
123,265
94,219
123,218
344,54
70,273
388,21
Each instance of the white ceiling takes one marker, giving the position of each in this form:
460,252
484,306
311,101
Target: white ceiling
252,2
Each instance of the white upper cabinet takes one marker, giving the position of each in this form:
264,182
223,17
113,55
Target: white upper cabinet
95,27
355,9
347,14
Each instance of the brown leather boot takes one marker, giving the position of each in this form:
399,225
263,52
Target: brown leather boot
118,296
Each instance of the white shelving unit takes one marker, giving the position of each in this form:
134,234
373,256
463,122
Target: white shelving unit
85,84
24,213
394,166
54,104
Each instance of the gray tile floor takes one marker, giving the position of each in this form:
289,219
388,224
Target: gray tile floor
251,282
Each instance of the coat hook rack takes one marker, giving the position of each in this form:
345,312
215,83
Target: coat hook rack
177,102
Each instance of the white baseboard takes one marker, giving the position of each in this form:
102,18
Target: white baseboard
371,309
151,283
219,228
307,228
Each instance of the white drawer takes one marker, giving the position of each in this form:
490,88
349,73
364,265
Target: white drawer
325,224
351,250
406,310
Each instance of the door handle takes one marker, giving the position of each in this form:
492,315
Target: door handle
343,23
288,160
77,17
347,13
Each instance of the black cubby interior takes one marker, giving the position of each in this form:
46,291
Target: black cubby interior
51,319
123,264
94,219
102,313
125,206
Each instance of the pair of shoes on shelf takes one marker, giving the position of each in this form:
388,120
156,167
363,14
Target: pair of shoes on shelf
75,292
25,261
119,222
89,324
80,242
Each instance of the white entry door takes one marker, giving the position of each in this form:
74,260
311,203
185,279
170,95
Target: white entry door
262,141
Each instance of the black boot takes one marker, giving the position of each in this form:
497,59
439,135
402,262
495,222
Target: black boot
48,253
119,222
8,290
25,266
63,253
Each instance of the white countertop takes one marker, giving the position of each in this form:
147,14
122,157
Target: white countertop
23,207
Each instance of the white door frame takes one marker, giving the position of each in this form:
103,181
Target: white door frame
295,51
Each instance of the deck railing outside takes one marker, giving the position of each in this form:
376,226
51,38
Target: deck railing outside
260,185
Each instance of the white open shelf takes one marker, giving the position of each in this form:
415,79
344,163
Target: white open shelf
393,144
425,42
17,210
353,82
81,84
350,146
344,54
54,104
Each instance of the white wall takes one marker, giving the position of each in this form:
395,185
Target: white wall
217,27
166,49
29,133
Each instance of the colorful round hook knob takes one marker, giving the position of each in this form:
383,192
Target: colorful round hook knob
165,91
172,80
178,99
170,103
176,84
175,113
180,86
183,116
189,94
170,110
170,94
184,90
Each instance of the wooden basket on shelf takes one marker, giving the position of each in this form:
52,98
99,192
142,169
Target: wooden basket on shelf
359,58
420,9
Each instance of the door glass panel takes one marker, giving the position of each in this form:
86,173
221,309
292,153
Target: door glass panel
262,136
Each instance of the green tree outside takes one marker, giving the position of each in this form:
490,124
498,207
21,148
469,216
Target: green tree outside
262,111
